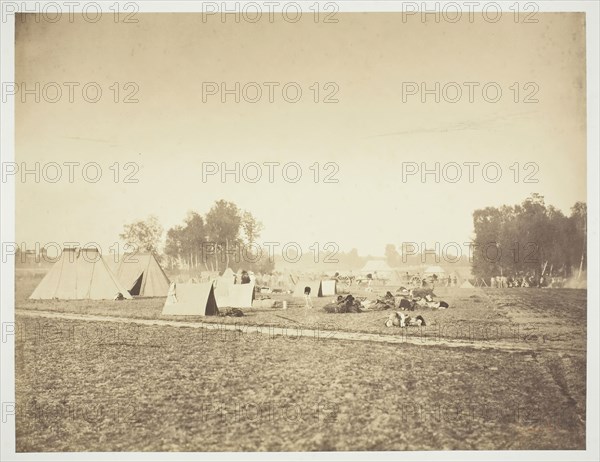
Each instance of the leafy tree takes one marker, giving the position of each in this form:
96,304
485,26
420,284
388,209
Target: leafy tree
193,239
578,224
187,244
528,239
392,256
145,235
215,239
487,223
251,227
174,245
223,223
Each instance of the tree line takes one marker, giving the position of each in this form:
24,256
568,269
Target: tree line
530,238
225,236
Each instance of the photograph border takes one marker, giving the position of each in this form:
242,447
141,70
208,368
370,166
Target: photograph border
7,235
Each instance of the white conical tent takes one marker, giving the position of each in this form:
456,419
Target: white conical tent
466,285
228,276
379,269
142,275
187,299
80,274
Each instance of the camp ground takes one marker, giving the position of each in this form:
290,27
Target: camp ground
189,299
444,246
212,339
142,275
80,274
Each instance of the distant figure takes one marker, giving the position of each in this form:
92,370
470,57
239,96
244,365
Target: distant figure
307,298
245,279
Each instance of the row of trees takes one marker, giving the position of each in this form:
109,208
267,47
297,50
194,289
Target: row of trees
527,239
530,239
225,237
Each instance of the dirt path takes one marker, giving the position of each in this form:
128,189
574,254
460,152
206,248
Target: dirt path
403,336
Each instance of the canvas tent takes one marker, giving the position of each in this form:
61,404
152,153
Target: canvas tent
228,277
234,295
315,288
142,275
466,285
434,270
188,299
80,274
379,269
328,287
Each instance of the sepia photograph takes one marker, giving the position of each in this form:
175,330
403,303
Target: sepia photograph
291,230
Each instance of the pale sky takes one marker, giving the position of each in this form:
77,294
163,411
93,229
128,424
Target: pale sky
369,133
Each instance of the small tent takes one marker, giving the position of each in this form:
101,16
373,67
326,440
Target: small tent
466,285
315,288
142,275
80,274
187,299
379,269
438,270
228,277
328,287
234,295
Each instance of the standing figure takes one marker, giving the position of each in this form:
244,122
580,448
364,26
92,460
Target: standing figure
307,299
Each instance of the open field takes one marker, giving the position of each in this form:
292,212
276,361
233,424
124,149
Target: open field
102,386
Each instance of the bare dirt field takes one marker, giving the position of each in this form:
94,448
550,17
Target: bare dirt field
105,386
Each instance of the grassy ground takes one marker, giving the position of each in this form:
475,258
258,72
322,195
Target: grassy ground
194,390
99,387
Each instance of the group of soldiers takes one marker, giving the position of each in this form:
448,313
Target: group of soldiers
527,280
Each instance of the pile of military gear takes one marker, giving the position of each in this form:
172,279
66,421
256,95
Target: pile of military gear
387,302
232,312
347,304
399,319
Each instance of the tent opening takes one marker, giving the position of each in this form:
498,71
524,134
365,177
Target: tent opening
137,287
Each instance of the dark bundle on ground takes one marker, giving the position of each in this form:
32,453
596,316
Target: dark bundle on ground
347,304
423,292
406,304
387,302
232,312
